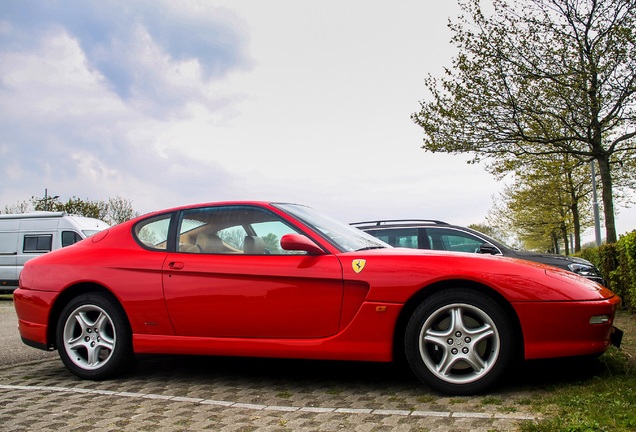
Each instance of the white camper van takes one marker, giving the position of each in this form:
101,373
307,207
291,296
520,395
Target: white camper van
27,235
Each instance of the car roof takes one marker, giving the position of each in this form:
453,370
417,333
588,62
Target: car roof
424,223
397,223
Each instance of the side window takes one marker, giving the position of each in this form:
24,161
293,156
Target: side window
153,233
271,233
69,238
232,230
401,237
39,243
453,240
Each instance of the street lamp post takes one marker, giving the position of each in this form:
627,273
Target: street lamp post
47,198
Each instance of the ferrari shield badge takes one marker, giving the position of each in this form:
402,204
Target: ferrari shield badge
358,265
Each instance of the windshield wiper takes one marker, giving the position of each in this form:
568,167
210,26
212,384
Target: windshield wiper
369,248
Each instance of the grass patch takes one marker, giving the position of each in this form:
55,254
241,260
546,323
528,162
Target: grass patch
427,398
491,400
604,402
284,394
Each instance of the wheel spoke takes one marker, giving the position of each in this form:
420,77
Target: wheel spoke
481,333
437,337
76,343
475,361
445,366
82,321
92,357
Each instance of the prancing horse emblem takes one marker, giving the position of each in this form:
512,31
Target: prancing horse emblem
358,265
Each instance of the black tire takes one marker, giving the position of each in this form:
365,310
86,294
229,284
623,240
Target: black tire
93,337
459,341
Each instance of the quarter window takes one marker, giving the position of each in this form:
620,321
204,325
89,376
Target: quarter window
153,233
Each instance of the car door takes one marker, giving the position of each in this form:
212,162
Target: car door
229,278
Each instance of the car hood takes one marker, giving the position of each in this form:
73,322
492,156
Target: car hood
515,279
553,259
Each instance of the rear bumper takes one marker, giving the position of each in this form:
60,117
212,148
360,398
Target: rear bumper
33,308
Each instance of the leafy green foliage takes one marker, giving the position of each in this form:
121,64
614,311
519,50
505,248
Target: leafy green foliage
617,262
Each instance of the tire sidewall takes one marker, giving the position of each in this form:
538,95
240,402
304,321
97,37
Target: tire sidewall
469,297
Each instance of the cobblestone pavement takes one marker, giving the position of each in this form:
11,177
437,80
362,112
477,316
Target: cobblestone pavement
194,393
179,393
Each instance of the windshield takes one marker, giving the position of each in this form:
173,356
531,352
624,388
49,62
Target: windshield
343,236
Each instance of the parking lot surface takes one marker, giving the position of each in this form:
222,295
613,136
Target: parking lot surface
178,393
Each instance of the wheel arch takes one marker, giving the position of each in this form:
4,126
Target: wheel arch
66,296
425,292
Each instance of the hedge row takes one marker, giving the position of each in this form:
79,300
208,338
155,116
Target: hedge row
617,263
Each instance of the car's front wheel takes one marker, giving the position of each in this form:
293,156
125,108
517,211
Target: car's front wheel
459,341
93,337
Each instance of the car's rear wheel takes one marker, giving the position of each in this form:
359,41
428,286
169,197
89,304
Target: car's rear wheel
94,337
459,341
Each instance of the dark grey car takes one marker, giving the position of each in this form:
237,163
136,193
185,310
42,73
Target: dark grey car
438,235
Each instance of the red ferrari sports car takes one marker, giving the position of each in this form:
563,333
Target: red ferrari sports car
281,280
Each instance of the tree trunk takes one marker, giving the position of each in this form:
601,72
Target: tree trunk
566,242
576,221
608,199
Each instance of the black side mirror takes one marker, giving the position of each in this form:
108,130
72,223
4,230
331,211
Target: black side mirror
487,248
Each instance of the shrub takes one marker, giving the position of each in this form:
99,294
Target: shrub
617,263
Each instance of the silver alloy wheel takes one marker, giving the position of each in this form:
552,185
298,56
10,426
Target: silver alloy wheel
459,343
89,337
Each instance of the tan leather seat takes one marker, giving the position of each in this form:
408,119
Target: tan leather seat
185,247
210,243
253,245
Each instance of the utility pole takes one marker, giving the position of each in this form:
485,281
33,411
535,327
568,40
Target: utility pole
597,219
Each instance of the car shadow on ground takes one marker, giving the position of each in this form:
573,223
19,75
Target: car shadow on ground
310,373
314,375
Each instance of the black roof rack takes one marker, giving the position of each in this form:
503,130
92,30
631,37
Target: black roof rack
400,221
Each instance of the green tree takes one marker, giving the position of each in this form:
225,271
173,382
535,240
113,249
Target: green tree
538,78
77,206
115,211
548,202
118,210
272,243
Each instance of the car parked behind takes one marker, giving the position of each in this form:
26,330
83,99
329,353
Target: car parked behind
438,235
24,236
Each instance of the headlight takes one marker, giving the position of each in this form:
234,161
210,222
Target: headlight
583,269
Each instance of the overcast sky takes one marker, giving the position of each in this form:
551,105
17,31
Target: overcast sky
167,103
